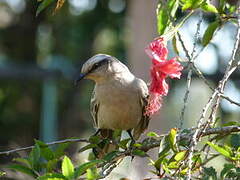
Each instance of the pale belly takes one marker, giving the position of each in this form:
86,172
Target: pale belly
119,112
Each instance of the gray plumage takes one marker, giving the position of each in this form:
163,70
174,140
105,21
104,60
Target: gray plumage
119,98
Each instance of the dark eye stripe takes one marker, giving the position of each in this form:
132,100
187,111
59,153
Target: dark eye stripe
98,64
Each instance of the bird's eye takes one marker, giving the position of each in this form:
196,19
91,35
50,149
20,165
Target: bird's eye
95,65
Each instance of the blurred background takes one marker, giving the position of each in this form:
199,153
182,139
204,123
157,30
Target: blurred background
40,57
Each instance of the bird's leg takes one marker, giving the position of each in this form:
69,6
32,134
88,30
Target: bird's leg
132,142
97,132
132,139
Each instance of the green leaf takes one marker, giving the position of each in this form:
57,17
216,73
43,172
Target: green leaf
226,170
231,123
173,138
59,152
23,169
2,173
46,152
24,161
52,176
235,141
67,168
92,174
51,164
174,43
210,172
191,4
221,150
123,143
43,5
89,146
209,7
94,139
163,147
221,6
139,152
209,32
34,157
83,168
152,134
172,7
180,155
173,165
108,157
161,159
137,145
162,19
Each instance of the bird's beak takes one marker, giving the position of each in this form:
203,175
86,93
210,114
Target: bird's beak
80,77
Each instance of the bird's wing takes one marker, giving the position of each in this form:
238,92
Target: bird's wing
143,98
94,106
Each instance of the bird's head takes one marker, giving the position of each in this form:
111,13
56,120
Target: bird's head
101,67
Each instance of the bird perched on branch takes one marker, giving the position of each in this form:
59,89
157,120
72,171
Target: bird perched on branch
119,98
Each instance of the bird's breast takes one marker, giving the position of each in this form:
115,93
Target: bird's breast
119,106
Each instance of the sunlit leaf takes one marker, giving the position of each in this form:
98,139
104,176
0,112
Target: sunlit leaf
92,174
67,168
192,4
137,145
162,20
180,155
172,138
173,165
2,173
152,134
209,7
172,7
221,150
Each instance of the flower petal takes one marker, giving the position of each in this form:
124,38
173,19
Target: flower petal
157,50
160,70
154,104
158,84
171,68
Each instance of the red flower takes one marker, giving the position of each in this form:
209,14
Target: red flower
160,70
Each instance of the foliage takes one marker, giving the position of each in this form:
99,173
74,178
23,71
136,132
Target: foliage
175,148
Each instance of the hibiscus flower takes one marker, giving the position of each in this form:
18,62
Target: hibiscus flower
160,70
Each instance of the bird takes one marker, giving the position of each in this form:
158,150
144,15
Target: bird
119,98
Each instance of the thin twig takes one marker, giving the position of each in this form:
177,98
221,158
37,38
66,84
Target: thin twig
49,144
190,61
200,75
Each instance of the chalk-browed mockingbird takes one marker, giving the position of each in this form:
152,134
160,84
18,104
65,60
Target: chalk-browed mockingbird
119,98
